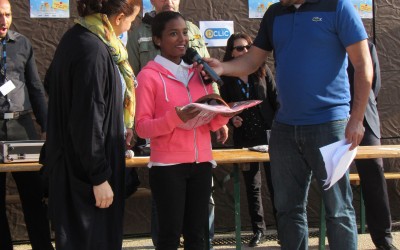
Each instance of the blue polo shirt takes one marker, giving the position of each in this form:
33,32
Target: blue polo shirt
309,45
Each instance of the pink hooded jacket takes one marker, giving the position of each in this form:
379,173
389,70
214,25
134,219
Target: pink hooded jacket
157,95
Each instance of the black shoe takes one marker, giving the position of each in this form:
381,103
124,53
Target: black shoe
257,239
387,247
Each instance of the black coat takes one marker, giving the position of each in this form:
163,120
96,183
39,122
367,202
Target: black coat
85,143
262,88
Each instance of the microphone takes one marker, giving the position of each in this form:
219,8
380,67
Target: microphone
192,56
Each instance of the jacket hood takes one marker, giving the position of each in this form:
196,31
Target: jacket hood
164,73
152,65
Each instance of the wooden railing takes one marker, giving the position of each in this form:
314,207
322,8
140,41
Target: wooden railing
229,156
225,156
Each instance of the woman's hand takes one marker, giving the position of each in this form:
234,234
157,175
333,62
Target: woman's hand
187,113
128,137
103,194
237,121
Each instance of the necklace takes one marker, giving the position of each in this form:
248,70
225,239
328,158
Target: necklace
245,87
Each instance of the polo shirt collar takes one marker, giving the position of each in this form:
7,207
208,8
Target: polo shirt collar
292,7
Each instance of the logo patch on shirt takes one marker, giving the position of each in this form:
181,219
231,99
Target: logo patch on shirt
145,39
317,19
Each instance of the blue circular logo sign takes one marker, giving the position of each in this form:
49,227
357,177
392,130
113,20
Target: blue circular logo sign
217,33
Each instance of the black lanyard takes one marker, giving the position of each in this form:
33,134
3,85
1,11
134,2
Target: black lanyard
245,87
4,60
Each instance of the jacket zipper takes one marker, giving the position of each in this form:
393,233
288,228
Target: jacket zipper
196,151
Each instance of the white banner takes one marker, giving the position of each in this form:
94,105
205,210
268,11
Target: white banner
364,8
257,8
49,9
216,33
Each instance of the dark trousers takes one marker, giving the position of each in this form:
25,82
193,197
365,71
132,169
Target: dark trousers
182,194
374,190
252,179
30,188
155,228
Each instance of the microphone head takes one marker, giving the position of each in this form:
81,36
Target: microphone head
191,55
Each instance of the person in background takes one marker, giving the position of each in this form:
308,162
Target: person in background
141,50
250,126
371,172
140,44
311,41
18,72
180,159
85,147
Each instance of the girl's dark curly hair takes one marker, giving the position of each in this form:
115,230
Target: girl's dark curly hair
108,7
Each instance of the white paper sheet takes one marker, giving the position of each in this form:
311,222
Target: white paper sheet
337,158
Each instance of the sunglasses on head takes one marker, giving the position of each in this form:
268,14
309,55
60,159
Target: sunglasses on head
240,48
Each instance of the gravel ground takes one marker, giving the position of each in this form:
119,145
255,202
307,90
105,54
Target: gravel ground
225,241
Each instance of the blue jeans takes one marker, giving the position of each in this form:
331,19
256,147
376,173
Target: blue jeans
295,157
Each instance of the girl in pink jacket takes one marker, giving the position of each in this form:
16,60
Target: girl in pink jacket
180,160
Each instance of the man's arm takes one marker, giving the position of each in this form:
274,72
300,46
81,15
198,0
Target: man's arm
363,72
243,65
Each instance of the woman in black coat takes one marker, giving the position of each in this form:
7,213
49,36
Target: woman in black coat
90,86
251,126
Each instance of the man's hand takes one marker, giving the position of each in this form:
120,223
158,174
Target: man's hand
128,138
103,194
240,66
354,132
222,134
215,64
187,113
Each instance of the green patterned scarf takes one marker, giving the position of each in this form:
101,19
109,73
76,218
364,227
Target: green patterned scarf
99,25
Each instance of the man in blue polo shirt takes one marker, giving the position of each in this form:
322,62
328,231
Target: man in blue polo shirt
311,40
